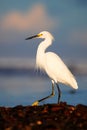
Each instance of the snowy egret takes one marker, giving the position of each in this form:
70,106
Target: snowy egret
52,65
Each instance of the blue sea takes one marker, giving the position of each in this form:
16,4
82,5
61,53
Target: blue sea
23,88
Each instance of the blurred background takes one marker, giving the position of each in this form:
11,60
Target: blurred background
20,82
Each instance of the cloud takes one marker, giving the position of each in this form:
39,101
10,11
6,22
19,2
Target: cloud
34,19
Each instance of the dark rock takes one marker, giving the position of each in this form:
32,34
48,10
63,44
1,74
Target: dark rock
47,117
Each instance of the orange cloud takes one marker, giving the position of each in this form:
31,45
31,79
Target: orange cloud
34,19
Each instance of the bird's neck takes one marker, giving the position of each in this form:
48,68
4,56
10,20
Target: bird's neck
44,45
41,52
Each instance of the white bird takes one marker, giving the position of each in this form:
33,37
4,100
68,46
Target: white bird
52,65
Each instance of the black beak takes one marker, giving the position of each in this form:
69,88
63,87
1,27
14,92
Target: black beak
31,37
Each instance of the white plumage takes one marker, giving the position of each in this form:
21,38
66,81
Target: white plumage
52,65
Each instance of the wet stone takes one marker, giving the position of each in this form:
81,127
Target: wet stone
47,117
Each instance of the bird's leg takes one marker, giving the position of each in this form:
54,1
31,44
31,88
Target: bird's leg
58,92
51,95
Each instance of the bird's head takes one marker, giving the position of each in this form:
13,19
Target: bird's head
43,35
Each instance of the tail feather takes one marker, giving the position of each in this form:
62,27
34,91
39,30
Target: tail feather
74,83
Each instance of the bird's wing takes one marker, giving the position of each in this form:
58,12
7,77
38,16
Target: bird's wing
57,70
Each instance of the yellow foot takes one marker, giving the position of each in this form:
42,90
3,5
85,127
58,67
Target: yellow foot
36,103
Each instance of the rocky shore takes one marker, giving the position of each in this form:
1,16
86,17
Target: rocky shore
47,117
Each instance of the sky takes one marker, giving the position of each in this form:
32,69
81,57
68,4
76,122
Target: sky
66,20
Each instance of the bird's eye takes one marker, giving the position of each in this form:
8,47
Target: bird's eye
41,34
